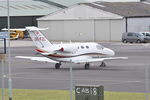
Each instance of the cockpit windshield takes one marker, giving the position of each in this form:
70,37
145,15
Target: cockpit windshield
98,46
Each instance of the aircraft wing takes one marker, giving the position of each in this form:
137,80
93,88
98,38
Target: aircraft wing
90,60
42,59
115,58
77,60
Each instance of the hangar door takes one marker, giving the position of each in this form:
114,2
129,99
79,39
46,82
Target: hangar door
66,30
55,29
102,30
80,30
109,30
117,28
138,24
83,30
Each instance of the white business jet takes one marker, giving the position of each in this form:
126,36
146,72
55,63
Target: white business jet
68,52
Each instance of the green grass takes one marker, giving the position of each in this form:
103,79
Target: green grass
27,94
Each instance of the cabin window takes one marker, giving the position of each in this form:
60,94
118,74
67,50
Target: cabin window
99,46
82,47
87,47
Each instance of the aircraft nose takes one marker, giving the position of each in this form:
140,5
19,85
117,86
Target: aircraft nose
110,52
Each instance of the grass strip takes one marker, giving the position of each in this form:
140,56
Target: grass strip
29,94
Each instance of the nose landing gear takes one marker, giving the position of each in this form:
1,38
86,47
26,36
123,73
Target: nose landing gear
87,66
57,65
103,64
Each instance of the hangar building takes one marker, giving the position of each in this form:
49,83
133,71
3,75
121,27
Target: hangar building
99,21
24,13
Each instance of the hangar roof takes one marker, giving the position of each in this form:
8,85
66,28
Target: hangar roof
26,8
67,2
126,9
101,10
82,12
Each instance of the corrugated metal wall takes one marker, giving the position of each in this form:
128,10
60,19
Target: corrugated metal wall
84,30
69,30
117,27
138,24
102,30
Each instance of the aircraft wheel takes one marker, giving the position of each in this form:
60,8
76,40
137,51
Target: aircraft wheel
103,64
87,66
57,65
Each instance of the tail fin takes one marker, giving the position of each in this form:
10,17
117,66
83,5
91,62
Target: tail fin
38,38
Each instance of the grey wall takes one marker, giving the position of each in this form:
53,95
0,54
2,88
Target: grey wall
117,28
83,30
102,30
69,30
109,30
138,24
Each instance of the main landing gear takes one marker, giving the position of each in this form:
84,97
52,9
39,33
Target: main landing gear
57,65
87,66
103,64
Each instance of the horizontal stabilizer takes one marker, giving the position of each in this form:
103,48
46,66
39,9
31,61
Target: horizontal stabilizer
32,28
35,28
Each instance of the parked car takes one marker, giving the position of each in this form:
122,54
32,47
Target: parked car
133,37
147,35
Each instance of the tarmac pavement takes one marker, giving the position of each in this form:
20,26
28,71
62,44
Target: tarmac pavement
119,75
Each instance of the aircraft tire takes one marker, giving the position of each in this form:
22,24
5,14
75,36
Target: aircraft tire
57,66
103,64
87,66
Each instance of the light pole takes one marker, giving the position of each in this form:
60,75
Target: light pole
146,77
9,54
2,76
71,80
146,80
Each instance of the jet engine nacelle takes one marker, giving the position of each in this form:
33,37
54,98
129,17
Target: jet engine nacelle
68,49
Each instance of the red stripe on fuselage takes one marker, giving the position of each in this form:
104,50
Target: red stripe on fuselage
41,51
88,54
59,56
